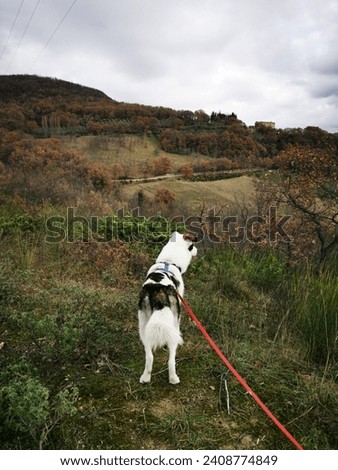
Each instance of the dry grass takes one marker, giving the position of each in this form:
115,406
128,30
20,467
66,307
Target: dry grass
133,151
128,150
213,193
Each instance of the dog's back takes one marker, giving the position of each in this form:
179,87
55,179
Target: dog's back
161,327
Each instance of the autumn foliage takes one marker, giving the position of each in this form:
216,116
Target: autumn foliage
36,113
45,107
38,170
305,187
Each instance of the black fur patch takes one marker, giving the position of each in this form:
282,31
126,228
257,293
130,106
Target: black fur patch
156,276
191,247
173,279
159,296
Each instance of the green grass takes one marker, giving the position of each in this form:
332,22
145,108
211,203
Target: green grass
314,306
71,357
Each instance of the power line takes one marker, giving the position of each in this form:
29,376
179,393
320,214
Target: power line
23,34
10,33
53,34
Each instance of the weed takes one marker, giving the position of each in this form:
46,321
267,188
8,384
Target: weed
313,301
266,270
70,330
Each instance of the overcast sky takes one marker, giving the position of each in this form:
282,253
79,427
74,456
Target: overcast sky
274,60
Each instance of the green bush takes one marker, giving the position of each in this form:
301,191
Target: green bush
23,223
27,408
226,267
8,291
24,400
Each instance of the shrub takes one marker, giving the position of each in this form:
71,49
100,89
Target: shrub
19,223
8,293
27,407
165,197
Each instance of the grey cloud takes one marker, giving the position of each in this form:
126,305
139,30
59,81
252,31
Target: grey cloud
327,64
325,90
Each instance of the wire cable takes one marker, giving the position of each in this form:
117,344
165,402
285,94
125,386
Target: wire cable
10,33
23,34
53,34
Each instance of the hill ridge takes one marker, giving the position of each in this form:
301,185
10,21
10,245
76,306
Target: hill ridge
22,85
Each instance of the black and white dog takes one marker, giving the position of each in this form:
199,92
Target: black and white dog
159,306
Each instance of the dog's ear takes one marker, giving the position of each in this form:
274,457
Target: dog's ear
190,237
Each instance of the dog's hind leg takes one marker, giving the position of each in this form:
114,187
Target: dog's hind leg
146,376
173,377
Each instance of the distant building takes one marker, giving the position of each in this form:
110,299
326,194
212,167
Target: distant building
266,124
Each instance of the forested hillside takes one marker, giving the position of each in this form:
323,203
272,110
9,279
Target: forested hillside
46,107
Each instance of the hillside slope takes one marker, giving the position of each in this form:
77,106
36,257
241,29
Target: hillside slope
71,356
194,194
46,107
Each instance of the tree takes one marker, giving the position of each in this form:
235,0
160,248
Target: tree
306,186
165,197
161,166
187,171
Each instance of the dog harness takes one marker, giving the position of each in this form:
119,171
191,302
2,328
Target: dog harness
166,269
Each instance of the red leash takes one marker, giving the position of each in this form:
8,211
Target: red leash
237,375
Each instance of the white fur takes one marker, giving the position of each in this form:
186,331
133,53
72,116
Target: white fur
159,328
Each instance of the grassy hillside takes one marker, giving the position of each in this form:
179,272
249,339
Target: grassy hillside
71,357
136,151
212,193
131,151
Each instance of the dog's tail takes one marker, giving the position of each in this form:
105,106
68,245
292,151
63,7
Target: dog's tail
161,330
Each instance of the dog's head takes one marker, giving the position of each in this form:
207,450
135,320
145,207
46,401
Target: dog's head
179,250
190,239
